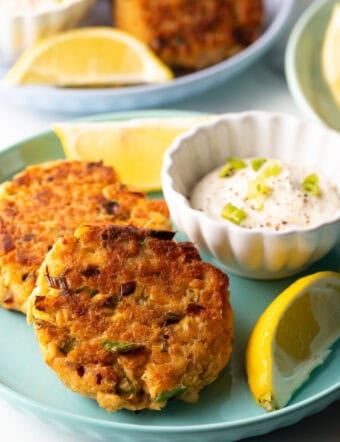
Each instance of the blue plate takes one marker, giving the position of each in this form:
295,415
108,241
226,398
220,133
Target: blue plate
81,101
303,65
226,410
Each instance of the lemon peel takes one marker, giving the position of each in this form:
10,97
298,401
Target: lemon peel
135,148
98,56
292,337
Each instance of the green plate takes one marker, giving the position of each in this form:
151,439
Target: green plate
303,65
226,410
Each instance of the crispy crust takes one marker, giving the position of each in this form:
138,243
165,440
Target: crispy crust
191,34
169,311
52,199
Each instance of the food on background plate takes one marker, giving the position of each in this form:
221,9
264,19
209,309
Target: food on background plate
292,337
135,148
148,39
263,193
52,199
330,54
98,56
189,34
131,318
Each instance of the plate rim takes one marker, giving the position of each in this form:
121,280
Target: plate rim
106,116
261,45
293,81
329,395
307,405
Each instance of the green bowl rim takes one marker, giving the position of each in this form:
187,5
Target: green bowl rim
290,65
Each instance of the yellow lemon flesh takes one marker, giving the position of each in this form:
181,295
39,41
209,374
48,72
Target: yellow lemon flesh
330,54
292,337
135,148
89,57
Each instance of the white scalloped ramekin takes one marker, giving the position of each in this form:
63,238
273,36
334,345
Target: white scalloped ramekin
20,29
256,253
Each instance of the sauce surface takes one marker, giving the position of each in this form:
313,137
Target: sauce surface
276,196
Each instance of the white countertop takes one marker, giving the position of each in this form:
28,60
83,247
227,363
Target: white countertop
258,88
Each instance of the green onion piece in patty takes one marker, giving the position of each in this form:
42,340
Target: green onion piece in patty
89,290
67,346
231,165
121,347
233,213
166,395
257,163
125,386
311,184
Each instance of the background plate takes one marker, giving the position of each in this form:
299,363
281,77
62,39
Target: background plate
81,101
226,410
303,65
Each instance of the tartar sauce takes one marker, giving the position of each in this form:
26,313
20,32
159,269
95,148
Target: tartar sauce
267,194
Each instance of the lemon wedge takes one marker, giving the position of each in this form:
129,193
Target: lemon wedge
292,337
89,57
330,54
135,148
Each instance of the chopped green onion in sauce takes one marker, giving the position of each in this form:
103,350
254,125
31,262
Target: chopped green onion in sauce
258,190
258,187
257,163
231,166
273,168
267,194
311,184
233,214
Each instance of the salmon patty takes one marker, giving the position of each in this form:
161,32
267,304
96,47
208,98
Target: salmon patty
192,34
130,317
53,199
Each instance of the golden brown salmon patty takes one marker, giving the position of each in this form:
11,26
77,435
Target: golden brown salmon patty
131,318
191,34
52,199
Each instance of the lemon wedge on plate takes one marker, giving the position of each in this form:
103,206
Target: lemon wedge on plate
135,148
292,337
96,56
330,54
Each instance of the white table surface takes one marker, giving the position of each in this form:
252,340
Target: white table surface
260,87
